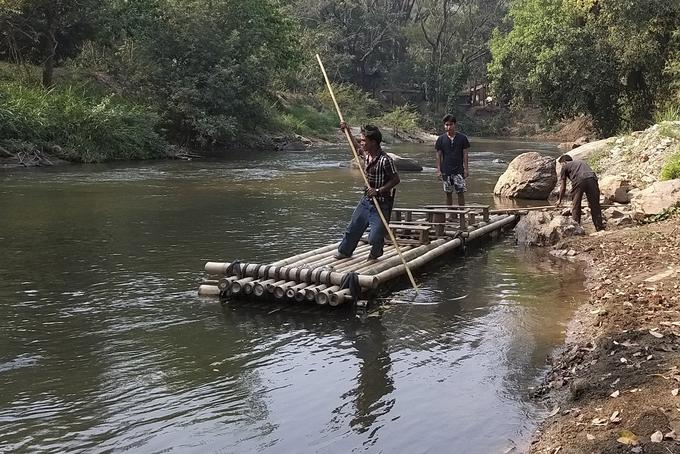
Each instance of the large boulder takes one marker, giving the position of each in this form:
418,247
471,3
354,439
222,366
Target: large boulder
584,151
400,162
656,198
529,176
615,188
541,228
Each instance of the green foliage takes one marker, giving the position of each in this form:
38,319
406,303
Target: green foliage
596,158
402,118
87,129
671,168
356,105
607,59
306,121
671,112
665,214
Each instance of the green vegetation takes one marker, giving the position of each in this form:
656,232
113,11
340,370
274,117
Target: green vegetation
671,168
402,118
668,113
596,158
306,121
614,60
211,74
84,128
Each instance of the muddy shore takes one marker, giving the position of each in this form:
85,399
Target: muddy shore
615,386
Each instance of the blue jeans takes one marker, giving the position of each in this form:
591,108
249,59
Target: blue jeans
365,215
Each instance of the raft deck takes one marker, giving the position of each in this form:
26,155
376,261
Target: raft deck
423,235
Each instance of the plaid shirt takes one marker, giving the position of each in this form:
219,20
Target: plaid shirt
378,172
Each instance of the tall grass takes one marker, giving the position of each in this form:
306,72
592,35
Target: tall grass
401,118
85,127
671,112
307,121
671,168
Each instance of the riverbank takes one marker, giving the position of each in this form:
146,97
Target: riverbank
615,384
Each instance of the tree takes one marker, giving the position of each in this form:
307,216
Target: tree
45,32
605,58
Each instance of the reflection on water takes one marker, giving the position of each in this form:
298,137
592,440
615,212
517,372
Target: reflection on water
106,347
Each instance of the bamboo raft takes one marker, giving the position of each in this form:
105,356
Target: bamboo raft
423,235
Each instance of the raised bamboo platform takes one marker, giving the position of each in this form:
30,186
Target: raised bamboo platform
423,234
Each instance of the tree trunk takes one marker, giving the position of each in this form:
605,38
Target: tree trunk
50,48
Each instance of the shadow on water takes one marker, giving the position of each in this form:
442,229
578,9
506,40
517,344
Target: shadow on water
106,347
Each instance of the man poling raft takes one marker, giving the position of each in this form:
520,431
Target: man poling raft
382,178
374,199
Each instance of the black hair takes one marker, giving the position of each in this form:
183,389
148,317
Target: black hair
565,157
449,118
372,132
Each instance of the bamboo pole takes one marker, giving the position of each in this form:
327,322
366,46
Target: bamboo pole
248,287
363,174
311,292
409,255
280,290
324,296
273,285
292,291
339,297
208,290
260,288
225,282
304,255
237,285
392,273
221,267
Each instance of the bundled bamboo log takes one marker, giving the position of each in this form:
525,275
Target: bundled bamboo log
312,291
300,273
237,285
221,267
324,296
382,265
291,291
248,287
450,245
270,287
280,290
339,297
208,290
260,288
226,282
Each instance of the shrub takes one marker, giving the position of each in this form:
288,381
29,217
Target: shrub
402,118
306,120
356,105
88,129
671,168
670,112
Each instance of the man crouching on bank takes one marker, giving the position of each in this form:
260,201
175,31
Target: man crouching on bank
382,178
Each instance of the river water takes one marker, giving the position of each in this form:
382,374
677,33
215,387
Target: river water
106,347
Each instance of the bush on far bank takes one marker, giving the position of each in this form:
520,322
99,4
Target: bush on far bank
86,128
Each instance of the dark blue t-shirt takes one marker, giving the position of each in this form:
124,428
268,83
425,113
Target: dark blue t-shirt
452,151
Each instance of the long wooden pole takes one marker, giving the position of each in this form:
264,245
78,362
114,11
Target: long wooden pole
363,174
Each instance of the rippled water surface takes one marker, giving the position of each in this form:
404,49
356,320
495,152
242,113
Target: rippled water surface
105,346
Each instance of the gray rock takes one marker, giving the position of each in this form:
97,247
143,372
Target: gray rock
656,198
545,229
615,188
529,176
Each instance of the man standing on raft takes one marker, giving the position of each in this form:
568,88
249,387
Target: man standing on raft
452,160
382,178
